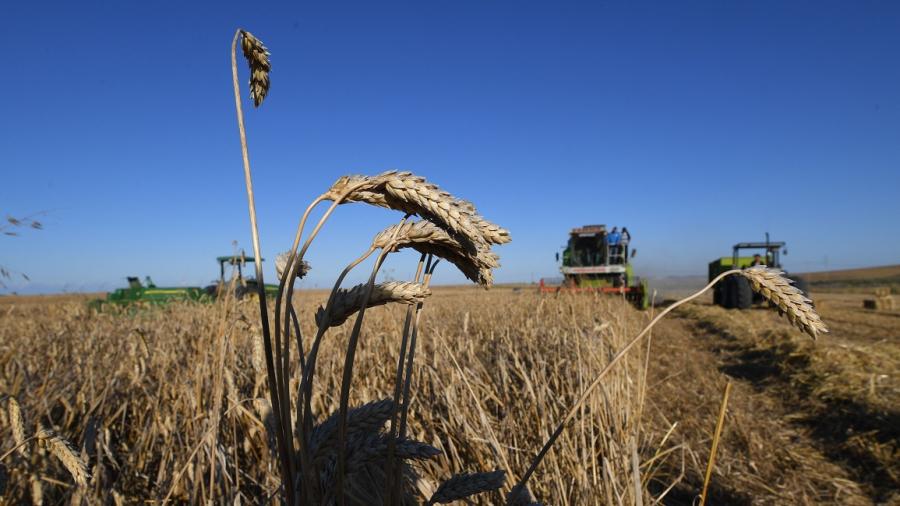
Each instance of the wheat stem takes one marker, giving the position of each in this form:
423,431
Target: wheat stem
715,443
287,473
348,374
398,381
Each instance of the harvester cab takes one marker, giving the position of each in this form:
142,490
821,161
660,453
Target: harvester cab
734,292
592,262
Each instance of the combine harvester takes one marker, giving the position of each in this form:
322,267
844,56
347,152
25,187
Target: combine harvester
591,264
147,293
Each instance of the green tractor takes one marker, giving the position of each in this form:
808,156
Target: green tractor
734,292
243,286
148,293
591,264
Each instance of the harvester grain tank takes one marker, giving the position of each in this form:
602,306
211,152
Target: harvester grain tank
591,264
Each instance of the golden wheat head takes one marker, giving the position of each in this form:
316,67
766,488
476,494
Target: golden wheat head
426,237
771,284
62,450
281,262
348,301
412,194
258,60
17,423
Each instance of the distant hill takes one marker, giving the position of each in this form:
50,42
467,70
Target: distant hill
888,275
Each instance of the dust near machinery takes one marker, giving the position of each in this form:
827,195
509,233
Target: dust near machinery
590,264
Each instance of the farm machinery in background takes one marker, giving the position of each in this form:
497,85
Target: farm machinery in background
147,293
591,264
734,292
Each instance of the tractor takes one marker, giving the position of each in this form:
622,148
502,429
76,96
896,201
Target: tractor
243,286
734,292
591,264
146,293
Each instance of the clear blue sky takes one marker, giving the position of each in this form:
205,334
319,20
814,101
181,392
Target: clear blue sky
695,124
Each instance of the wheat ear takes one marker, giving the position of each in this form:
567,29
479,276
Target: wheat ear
61,449
17,423
258,60
368,418
521,496
429,238
411,194
348,301
771,284
464,485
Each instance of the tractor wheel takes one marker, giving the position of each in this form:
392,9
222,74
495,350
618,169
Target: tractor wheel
743,297
717,294
728,293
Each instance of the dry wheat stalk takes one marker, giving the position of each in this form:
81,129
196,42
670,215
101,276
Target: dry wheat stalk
461,486
17,423
61,449
258,60
348,301
426,237
772,285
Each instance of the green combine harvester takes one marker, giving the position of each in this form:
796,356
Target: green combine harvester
590,264
734,292
147,293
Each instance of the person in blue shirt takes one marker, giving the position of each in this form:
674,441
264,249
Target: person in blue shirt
612,240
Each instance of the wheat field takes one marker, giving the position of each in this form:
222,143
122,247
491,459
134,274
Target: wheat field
135,394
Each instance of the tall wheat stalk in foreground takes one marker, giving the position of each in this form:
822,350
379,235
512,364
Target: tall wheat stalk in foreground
348,457
358,448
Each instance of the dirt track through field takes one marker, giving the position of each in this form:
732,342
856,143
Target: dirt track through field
814,423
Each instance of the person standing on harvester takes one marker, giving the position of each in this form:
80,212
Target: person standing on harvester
612,240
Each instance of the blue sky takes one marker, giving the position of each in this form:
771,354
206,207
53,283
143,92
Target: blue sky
695,124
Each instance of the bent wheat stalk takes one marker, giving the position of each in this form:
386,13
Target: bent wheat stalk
778,290
259,56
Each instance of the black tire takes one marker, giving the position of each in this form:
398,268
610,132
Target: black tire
717,294
728,296
743,293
